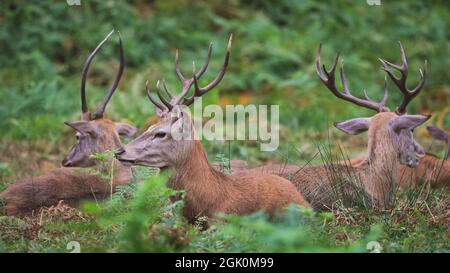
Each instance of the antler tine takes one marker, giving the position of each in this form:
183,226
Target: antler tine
85,71
161,97
199,73
187,83
206,62
168,92
219,77
400,82
152,100
102,106
200,91
177,67
329,79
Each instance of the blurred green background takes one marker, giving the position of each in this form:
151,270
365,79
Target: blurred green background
43,46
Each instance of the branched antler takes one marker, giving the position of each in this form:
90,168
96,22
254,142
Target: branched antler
329,79
187,83
408,94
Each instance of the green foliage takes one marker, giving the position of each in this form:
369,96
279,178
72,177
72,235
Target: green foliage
5,171
273,53
224,163
297,230
134,212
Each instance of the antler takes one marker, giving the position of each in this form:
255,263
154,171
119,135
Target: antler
101,108
162,107
408,94
187,83
329,79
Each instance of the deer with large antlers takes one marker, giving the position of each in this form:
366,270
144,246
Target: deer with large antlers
208,191
430,168
391,145
94,134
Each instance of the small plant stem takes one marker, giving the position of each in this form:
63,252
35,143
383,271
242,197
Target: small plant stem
112,178
229,156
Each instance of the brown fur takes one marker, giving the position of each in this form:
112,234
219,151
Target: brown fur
377,179
313,182
72,185
431,170
209,191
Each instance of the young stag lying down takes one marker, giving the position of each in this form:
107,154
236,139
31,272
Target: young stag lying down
431,170
94,134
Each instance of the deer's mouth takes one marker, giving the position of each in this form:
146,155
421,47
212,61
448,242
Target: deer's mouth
127,162
120,155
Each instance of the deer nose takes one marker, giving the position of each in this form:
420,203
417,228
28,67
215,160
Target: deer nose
119,151
413,163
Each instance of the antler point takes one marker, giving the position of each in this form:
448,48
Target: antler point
230,40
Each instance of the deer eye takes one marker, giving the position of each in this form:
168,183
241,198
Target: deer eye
160,135
77,137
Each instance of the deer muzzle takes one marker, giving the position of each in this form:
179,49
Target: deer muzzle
120,155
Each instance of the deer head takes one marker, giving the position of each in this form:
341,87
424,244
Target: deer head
393,130
94,133
168,142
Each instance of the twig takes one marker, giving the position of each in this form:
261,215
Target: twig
428,208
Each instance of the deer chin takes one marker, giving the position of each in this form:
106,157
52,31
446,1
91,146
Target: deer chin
158,165
412,163
127,162
136,162
82,164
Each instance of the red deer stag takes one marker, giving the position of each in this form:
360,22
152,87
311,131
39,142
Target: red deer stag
208,191
390,145
94,133
430,169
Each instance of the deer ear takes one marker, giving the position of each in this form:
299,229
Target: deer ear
126,130
81,126
407,122
438,134
354,126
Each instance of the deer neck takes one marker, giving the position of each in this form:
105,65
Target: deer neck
205,187
380,174
122,174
